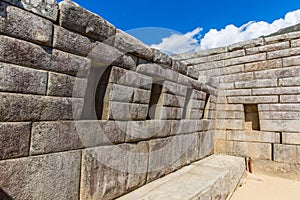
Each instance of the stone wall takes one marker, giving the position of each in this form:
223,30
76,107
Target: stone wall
258,107
89,112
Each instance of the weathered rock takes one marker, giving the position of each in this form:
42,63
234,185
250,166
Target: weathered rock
145,130
141,96
25,25
154,70
31,55
14,139
49,137
72,42
161,58
42,177
17,107
129,44
48,9
23,80
109,172
76,18
287,153
179,67
66,86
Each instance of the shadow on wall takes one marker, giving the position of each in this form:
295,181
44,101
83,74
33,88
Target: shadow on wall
4,195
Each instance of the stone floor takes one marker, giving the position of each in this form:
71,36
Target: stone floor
263,187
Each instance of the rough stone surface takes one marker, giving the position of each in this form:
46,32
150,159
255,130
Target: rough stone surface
76,18
16,107
14,139
54,176
48,9
129,44
24,25
108,172
30,55
49,137
161,58
23,80
213,178
66,86
287,153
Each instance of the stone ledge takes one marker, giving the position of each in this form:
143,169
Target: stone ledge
215,177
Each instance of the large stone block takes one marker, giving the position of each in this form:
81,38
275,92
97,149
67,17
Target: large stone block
260,83
237,77
80,20
253,150
161,58
14,139
141,96
290,98
66,86
72,42
186,126
280,125
49,137
284,115
125,111
130,78
246,59
253,99
153,70
179,67
168,113
278,73
253,136
279,107
129,44
206,144
171,100
291,138
31,55
109,172
25,25
17,107
246,44
174,88
23,80
293,81
263,65
53,176
268,48
145,130
287,153
48,9
119,93
284,53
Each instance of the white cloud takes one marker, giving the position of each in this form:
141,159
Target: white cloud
230,34
177,43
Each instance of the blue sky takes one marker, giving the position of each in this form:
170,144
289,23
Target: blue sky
188,16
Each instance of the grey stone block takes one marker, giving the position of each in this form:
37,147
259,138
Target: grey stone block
129,112
280,125
72,42
118,93
179,67
23,80
109,172
287,153
161,58
14,139
49,137
128,44
174,88
153,70
145,130
30,55
129,78
25,25
80,20
141,96
48,9
17,107
253,136
66,86
171,100
291,138
41,177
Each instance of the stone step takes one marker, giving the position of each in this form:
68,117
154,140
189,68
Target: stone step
215,177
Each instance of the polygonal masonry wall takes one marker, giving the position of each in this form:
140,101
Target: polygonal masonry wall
81,117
